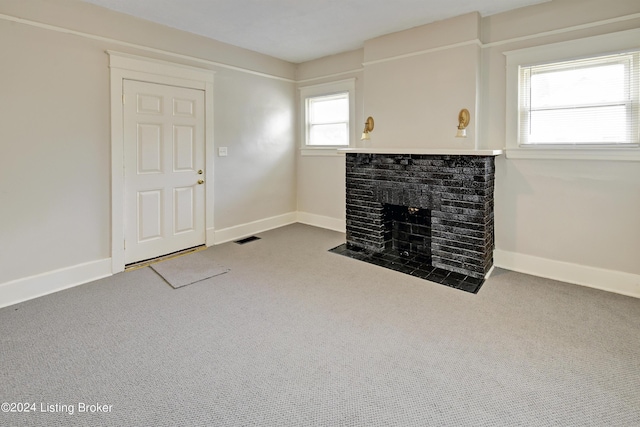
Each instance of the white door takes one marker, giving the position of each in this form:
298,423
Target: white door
164,166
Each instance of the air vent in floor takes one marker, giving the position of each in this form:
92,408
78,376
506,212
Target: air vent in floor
247,240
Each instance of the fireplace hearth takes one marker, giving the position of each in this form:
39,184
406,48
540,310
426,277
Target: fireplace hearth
431,210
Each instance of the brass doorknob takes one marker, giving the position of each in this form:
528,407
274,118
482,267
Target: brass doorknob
200,181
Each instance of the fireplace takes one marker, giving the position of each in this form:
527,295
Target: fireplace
435,211
407,230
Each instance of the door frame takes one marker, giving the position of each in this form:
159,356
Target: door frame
125,66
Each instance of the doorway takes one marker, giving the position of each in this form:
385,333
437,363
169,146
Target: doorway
161,158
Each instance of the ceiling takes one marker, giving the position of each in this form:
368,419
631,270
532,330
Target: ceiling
302,30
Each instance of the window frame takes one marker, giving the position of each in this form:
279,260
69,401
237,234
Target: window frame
589,47
310,124
318,91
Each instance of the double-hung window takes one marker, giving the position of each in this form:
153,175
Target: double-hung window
328,120
327,116
582,102
583,107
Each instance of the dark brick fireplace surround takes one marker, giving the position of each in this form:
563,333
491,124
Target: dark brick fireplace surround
438,205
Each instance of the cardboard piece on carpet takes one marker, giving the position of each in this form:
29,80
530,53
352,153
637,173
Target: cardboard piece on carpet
187,269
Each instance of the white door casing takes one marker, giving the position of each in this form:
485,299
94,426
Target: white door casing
132,67
164,169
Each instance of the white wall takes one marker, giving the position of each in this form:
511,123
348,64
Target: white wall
54,166
417,81
321,179
55,137
571,220
255,120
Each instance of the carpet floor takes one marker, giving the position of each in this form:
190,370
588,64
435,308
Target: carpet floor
294,335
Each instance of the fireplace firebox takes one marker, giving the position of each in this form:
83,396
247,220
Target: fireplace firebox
407,230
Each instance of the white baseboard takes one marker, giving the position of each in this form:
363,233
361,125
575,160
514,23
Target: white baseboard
321,221
27,288
36,286
598,278
243,230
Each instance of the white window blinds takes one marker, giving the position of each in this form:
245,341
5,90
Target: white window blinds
592,102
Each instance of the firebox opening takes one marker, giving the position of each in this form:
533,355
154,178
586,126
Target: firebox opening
407,230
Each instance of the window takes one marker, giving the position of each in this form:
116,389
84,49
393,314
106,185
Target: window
589,101
328,120
586,107
327,117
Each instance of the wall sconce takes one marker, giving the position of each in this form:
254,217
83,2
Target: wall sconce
368,127
463,122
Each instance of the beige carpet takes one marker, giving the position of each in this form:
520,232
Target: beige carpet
294,335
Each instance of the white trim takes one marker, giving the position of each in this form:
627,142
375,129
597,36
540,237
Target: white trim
575,49
329,76
473,42
563,30
244,230
335,224
42,284
598,278
424,151
142,47
487,45
320,152
271,76
210,236
482,45
327,87
346,85
163,69
124,67
611,154
490,272
24,289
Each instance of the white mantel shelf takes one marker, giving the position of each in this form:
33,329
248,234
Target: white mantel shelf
425,151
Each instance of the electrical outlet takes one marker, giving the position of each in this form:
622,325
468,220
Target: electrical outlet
222,151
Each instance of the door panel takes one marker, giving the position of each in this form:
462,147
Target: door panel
184,107
149,146
149,215
184,214
148,103
164,153
184,148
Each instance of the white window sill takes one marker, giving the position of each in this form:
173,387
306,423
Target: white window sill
608,154
322,151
